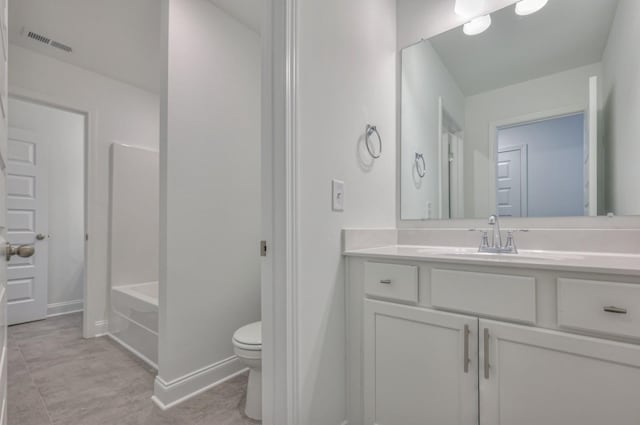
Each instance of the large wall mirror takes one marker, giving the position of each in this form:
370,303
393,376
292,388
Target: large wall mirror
535,116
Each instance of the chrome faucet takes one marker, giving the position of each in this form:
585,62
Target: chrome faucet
496,246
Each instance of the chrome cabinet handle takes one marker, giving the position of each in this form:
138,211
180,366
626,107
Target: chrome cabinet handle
386,281
486,353
614,309
467,360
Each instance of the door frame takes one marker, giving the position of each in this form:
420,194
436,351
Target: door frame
524,175
494,126
93,324
280,217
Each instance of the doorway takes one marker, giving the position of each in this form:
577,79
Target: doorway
46,209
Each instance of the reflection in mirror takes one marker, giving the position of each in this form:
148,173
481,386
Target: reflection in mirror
537,116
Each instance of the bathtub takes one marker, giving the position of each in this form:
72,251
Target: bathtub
133,320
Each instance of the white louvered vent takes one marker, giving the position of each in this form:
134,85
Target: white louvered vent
46,40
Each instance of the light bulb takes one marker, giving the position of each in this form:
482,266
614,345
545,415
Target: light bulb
469,8
527,7
477,25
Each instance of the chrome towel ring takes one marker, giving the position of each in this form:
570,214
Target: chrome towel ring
420,158
371,129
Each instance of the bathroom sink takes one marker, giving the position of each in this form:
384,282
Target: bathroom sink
522,256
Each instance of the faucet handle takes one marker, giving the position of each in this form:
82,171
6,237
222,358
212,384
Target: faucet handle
484,240
510,244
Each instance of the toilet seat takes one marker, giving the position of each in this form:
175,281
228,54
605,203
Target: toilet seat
249,337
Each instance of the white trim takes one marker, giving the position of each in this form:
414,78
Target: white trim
65,307
133,350
100,328
168,394
280,220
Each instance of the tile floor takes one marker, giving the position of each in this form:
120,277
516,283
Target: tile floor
57,378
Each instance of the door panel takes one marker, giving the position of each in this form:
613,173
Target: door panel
414,370
27,203
511,189
538,376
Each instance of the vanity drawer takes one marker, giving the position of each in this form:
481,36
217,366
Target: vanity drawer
391,281
495,295
605,307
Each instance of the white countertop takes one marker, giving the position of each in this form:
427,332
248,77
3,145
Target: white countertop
608,263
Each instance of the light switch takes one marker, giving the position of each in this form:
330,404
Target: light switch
338,195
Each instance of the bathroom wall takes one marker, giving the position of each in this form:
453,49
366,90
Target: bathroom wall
346,78
621,87
424,80
64,134
210,195
118,112
561,90
135,227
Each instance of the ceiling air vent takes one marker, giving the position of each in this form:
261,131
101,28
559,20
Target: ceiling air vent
46,40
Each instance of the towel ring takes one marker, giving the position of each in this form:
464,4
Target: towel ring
420,157
370,130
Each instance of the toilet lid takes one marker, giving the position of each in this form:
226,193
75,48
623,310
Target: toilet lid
250,334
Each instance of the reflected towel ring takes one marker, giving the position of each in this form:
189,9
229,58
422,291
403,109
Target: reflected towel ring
420,157
370,130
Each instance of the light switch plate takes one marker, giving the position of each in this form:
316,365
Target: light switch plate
337,190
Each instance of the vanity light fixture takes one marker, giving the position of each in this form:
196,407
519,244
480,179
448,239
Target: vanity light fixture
469,8
527,7
477,25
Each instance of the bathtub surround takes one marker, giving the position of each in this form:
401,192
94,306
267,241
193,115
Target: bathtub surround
64,134
209,196
117,112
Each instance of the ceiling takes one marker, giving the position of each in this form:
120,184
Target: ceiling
249,12
565,34
117,38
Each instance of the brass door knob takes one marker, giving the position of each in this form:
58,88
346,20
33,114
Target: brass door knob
21,251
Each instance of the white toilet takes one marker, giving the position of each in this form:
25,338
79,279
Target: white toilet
247,344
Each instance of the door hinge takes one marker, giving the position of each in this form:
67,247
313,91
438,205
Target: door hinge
263,248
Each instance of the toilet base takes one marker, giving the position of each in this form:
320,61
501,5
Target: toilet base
253,407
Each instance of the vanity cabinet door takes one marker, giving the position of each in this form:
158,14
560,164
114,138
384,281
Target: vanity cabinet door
532,376
420,366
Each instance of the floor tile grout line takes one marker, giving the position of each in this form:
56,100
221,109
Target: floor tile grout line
44,404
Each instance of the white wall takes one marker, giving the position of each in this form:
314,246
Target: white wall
135,227
621,87
550,93
64,133
346,79
555,161
210,193
424,79
117,113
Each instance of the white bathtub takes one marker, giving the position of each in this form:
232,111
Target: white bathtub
134,319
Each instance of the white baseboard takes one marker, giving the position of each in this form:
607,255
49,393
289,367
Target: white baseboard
133,350
169,394
66,307
101,328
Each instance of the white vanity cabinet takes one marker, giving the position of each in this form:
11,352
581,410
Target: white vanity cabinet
420,366
432,358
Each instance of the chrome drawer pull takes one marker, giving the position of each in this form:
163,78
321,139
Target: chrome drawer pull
386,281
614,309
487,365
467,360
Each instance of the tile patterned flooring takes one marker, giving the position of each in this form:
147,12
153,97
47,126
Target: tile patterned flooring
57,378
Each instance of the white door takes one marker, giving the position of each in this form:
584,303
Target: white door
591,152
420,366
27,200
538,376
511,182
456,176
